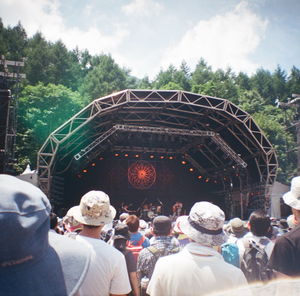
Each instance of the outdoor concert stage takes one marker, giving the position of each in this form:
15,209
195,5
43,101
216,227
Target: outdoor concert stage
161,146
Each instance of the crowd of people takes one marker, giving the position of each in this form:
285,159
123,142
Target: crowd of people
90,251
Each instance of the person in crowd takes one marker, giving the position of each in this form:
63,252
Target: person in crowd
285,259
120,238
291,222
181,237
123,217
199,268
107,274
70,224
54,223
163,244
259,229
137,241
143,226
236,230
33,260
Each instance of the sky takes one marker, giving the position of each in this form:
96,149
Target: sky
146,36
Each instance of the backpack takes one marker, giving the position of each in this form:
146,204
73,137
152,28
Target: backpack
255,262
231,254
158,253
135,248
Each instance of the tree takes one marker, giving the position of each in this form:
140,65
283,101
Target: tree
104,78
293,81
262,81
38,55
42,109
279,84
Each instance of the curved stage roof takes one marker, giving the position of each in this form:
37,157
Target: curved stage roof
219,139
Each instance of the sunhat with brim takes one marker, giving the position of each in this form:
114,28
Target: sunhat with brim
34,261
204,224
94,209
177,224
292,198
237,226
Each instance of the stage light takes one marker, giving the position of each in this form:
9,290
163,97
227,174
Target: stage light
191,169
171,157
101,158
117,154
162,157
183,162
126,154
93,164
151,156
199,177
137,155
85,171
206,180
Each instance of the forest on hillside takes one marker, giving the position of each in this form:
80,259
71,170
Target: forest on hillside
59,82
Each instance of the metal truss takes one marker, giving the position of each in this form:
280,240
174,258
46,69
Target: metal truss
158,111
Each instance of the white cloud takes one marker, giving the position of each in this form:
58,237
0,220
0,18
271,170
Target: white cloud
142,8
223,41
45,16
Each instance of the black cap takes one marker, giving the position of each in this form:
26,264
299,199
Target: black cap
121,231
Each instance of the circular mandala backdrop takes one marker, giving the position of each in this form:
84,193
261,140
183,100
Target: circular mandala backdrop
141,175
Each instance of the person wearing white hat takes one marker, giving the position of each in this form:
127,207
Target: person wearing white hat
107,274
285,258
199,269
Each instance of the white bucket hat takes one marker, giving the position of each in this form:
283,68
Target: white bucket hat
292,198
94,209
204,224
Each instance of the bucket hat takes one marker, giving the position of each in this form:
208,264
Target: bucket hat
34,261
292,198
237,227
204,224
94,209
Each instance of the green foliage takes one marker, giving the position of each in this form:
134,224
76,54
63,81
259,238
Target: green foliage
42,109
56,76
104,78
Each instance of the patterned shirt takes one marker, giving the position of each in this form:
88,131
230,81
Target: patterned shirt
160,246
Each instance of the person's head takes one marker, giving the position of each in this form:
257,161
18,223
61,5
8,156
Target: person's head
121,236
70,224
259,223
29,253
237,227
133,223
161,226
94,210
292,198
53,220
204,224
123,217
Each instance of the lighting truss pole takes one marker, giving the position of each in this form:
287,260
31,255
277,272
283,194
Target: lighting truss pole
11,123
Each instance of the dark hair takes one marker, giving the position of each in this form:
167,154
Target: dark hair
120,244
53,220
133,223
260,223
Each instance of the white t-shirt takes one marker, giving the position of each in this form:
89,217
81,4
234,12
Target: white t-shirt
195,271
107,273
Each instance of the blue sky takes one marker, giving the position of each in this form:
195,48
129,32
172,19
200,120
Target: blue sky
148,35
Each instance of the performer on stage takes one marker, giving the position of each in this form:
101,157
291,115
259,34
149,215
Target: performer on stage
177,209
